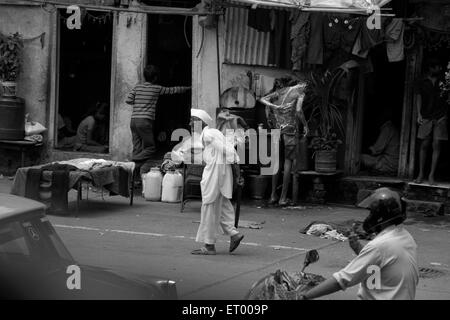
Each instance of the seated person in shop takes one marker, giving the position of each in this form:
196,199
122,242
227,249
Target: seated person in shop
83,140
64,127
384,154
286,113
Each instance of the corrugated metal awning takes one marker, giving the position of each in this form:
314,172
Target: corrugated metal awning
343,6
244,45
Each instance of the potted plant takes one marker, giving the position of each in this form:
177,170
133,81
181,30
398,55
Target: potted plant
327,116
10,62
325,150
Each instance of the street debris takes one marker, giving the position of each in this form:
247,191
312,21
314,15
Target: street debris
325,231
295,208
342,229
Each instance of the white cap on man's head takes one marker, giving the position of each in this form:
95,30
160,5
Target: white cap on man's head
202,115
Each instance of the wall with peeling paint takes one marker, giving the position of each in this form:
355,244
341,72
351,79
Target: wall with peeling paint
130,45
34,77
205,74
33,80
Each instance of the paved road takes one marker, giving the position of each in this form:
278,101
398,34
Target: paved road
156,239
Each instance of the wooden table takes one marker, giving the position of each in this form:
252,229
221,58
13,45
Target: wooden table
20,145
320,179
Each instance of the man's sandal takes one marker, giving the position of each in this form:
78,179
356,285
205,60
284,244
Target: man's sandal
203,251
235,243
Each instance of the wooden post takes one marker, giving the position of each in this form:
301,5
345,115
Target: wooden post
413,137
405,135
349,137
359,120
354,128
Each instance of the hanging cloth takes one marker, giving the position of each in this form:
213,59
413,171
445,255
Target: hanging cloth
394,40
280,41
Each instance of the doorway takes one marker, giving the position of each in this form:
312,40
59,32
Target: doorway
383,106
169,47
84,83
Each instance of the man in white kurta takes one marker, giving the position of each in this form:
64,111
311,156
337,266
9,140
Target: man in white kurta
217,212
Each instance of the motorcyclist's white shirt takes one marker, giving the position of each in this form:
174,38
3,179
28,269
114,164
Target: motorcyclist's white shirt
394,253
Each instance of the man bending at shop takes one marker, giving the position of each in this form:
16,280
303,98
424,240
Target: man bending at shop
144,98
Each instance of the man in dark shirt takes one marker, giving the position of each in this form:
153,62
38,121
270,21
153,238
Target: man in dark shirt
432,118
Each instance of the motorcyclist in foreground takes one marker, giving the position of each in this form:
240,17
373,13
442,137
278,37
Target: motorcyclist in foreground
386,267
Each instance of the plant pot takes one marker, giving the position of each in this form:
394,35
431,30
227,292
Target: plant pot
9,88
257,186
12,118
325,161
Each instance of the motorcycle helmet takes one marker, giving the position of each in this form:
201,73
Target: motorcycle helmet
385,208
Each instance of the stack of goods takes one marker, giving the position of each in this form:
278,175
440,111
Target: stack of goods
282,285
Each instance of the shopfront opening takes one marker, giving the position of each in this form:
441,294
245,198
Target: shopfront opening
169,48
383,102
84,80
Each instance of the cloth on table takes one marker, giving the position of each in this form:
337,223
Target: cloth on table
59,179
343,228
114,176
33,180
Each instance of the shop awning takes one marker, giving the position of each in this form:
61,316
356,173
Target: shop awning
344,6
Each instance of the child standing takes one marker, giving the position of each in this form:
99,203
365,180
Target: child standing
144,98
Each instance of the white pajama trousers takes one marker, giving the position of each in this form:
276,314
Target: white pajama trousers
216,217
